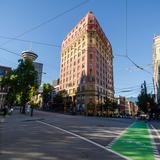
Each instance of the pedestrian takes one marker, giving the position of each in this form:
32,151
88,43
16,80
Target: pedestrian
28,108
31,111
5,110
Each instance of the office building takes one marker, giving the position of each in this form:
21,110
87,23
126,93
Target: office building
86,69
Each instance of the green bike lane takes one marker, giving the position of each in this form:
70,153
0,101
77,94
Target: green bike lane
135,143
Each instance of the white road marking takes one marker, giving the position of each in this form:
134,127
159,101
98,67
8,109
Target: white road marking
85,139
155,150
155,131
2,120
118,137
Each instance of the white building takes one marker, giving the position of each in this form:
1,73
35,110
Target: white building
156,66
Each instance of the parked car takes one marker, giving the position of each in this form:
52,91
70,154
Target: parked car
143,116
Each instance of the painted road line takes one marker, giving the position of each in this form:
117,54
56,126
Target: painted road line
155,131
135,143
116,138
2,120
155,149
85,139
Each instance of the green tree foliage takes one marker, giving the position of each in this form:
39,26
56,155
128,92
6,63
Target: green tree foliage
47,92
20,82
8,82
58,98
146,102
26,79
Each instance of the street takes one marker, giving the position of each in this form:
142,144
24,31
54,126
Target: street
53,136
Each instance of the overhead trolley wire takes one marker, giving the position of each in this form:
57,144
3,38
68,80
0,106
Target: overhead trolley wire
47,21
31,41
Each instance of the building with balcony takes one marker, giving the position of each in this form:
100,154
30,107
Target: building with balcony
86,68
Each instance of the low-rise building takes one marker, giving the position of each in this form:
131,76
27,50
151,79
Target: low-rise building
121,102
126,107
132,108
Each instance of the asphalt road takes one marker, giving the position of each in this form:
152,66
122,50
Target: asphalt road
52,136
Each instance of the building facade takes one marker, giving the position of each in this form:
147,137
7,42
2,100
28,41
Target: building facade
126,107
39,68
3,90
86,69
131,108
156,66
56,85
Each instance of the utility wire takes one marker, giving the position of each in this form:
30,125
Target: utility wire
126,44
132,86
9,51
23,40
139,67
47,21
121,90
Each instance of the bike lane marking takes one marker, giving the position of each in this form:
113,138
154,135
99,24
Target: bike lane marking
85,139
135,142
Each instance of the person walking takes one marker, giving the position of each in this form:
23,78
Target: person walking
28,108
5,110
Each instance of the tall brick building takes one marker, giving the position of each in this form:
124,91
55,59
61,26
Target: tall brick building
86,69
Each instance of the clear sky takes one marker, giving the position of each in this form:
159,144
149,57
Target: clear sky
143,16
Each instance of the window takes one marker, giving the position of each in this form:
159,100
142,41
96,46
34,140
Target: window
97,81
83,73
97,88
90,71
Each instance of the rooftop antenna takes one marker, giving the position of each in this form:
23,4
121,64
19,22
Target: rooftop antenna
30,46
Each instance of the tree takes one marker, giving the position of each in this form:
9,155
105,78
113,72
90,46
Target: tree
58,98
20,82
47,92
26,79
107,104
146,101
8,82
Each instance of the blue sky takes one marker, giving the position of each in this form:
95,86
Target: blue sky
17,16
